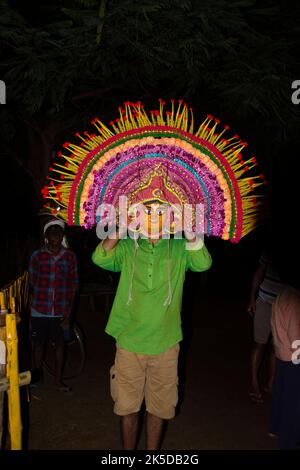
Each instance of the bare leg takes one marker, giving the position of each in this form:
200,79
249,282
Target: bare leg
256,360
37,355
59,362
37,363
129,427
154,431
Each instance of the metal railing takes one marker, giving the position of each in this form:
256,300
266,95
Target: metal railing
13,300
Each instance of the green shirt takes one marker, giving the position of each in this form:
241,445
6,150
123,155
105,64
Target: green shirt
147,325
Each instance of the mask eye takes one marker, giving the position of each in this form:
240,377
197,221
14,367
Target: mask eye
148,210
161,210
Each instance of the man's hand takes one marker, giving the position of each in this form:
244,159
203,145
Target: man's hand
65,322
190,236
114,237
121,230
193,241
251,307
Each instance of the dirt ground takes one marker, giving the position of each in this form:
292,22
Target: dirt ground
214,412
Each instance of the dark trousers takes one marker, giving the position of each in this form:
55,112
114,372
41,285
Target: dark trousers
285,417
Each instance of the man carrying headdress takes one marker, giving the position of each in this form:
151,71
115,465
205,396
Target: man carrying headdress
145,317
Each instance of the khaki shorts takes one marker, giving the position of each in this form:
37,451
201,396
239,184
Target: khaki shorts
135,377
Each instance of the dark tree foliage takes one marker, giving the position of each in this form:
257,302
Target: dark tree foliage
238,57
64,61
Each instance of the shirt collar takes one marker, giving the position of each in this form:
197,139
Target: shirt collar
59,254
145,243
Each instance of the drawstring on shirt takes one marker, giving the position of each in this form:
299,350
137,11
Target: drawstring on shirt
169,298
132,271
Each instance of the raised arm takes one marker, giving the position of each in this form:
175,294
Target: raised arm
109,253
198,258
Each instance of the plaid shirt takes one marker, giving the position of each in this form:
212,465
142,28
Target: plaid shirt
53,280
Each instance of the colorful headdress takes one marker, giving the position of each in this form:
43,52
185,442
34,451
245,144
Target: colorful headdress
157,155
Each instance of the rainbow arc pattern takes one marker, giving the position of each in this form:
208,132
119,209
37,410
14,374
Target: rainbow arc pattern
195,166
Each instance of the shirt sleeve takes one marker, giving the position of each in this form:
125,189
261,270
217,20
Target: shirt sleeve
198,260
111,260
74,271
33,269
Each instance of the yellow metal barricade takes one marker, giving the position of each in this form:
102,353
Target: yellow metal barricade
12,372
16,294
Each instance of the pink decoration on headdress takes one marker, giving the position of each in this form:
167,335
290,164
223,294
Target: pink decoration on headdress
156,191
89,157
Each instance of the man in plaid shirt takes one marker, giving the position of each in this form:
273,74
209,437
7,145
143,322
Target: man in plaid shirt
53,279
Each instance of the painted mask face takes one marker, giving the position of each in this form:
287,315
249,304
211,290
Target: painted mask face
154,219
